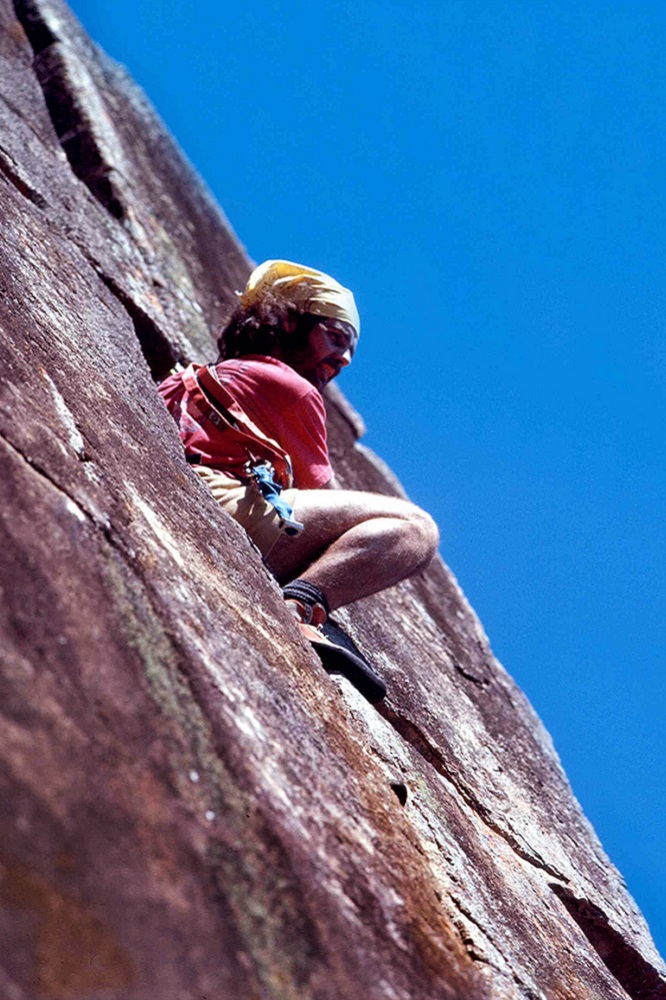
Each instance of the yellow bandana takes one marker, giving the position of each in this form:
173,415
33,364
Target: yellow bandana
308,289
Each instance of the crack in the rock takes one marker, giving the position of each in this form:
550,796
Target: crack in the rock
7,168
70,119
37,30
159,352
103,525
472,920
527,991
479,681
412,734
41,471
624,962
84,147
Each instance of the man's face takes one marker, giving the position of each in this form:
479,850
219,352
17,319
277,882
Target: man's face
328,350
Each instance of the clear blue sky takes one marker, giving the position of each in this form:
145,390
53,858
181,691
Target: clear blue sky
489,178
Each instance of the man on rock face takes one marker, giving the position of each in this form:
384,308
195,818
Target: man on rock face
294,330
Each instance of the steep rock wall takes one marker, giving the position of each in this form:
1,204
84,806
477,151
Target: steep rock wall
192,807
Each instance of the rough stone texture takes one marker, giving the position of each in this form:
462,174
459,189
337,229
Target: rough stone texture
192,808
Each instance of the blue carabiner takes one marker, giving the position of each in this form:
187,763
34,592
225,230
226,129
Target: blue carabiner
263,475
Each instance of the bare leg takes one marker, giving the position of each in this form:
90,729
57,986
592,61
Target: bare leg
354,544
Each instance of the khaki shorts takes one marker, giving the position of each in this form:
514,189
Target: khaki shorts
246,505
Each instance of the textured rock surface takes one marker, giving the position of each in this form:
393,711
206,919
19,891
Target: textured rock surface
192,808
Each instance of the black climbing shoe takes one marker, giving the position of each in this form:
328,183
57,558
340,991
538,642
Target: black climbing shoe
340,655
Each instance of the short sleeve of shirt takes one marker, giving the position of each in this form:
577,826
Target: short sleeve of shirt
309,452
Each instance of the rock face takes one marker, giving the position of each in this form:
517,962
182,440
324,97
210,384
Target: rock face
192,807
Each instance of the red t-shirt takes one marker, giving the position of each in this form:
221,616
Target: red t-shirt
283,405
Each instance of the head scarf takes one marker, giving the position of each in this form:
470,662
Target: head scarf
308,289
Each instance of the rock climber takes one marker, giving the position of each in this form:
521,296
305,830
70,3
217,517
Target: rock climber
254,429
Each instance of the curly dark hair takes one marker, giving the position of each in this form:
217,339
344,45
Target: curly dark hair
262,328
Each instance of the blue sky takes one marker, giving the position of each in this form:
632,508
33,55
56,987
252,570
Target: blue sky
489,179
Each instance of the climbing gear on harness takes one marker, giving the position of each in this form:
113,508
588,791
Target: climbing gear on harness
263,476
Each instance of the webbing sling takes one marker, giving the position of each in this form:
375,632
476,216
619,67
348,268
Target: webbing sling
210,400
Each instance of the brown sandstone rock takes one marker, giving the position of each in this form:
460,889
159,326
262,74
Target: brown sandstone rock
192,808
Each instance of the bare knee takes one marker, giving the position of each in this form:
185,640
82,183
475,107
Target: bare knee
423,535
419,535
349,523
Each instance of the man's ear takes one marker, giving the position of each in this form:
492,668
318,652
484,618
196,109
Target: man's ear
290,322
